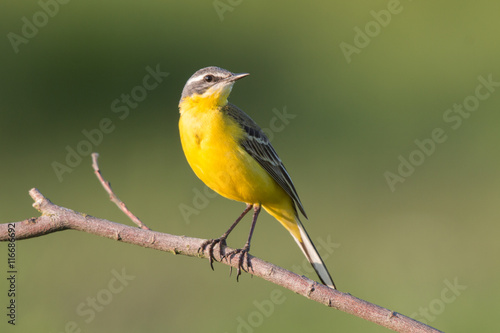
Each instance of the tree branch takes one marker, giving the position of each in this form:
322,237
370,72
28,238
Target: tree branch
55,218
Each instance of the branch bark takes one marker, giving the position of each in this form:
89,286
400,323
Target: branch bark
56,218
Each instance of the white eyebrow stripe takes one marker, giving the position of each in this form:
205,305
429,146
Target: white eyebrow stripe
196,78
199,78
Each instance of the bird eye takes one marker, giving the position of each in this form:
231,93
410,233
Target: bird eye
209,78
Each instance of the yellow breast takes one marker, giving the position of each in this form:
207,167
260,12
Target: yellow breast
210,140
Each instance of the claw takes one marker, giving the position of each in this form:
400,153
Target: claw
211,244
243,253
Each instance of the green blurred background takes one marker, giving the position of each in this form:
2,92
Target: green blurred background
400,249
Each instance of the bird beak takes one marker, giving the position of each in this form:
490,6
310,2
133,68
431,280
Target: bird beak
237,76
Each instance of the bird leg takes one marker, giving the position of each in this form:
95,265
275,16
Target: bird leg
244,251
210,244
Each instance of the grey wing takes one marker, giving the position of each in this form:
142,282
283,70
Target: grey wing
258,146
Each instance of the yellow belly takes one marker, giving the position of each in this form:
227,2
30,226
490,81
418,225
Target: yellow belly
210,142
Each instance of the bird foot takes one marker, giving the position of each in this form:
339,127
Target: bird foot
243,253
210,244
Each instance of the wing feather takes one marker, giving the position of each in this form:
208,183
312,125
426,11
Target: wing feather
258,146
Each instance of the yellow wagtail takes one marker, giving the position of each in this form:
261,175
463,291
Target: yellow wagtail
229,152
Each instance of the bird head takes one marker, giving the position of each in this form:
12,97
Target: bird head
210,85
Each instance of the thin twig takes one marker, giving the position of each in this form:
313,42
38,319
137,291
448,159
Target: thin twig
112,196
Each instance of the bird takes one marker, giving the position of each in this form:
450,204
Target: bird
231,154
